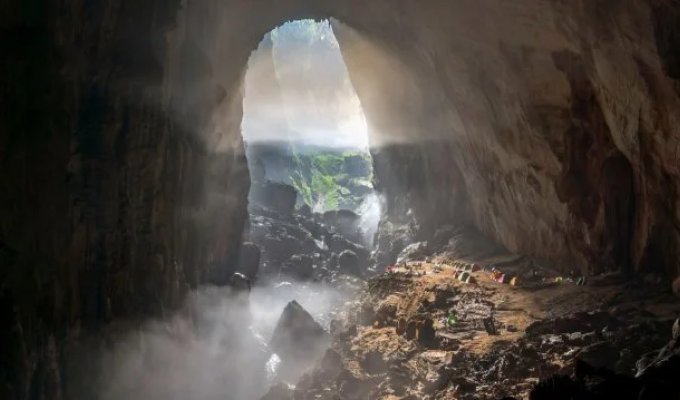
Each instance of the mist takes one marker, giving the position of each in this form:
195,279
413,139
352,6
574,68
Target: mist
215,347
370,212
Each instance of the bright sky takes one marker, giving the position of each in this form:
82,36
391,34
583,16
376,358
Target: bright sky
316,102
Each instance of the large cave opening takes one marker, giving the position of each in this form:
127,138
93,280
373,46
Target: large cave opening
312,208
306,247
313,212
526,227
305,132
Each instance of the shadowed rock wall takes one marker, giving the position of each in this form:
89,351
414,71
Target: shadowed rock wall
550,126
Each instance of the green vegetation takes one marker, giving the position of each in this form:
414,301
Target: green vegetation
330,180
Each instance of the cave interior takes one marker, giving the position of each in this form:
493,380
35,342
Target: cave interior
522,162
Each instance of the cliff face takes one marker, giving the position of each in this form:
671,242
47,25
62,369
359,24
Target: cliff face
113,202
550,126
556,121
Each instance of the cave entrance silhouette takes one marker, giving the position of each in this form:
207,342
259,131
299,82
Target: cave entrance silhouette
304,128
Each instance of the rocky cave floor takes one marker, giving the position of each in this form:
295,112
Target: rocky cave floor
449,322
419,332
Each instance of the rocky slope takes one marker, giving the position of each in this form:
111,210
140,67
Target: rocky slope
418,332
299,244
549,126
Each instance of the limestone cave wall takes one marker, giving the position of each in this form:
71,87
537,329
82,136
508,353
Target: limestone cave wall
550,126
558,120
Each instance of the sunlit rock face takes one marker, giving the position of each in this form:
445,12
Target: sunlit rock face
556,119
550,126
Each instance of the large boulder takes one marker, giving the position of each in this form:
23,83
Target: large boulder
297,333
348,263
414,251
297,339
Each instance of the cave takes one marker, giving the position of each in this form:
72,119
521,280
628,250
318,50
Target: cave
312,208
526,155
305,133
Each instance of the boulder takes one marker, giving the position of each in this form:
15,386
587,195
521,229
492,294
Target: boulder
667,357
414,251
348,263
298,339
338,244
331,364
599,355
239,282
300,266
374,363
